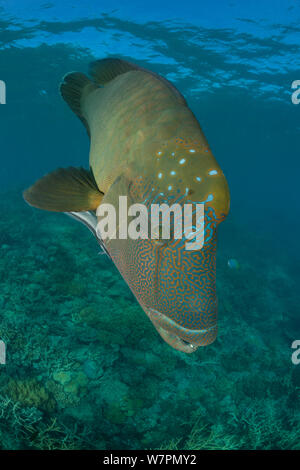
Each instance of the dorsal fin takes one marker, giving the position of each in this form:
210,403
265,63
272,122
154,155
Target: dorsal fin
74,89
104,70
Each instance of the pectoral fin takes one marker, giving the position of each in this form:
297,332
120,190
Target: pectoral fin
90,221
65,190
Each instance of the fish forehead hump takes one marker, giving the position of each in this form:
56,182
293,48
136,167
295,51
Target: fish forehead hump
137,117
128,118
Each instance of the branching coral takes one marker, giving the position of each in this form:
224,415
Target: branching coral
29,393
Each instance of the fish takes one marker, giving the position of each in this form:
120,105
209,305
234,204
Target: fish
145,144
233,263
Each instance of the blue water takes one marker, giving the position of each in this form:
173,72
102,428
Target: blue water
63,308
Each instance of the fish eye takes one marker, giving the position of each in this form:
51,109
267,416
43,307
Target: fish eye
159,242
157,233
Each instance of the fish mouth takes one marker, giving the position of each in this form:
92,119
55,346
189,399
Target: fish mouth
178,337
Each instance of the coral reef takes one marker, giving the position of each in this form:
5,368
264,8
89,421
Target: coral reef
29,393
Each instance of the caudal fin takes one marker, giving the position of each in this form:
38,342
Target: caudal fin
74,89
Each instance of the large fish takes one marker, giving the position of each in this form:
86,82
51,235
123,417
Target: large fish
146,144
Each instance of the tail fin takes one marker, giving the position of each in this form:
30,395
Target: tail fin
74,89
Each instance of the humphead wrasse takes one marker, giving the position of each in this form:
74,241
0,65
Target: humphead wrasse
146,144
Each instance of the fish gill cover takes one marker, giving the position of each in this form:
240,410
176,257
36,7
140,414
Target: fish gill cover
81,366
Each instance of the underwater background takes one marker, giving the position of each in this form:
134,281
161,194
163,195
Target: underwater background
85,369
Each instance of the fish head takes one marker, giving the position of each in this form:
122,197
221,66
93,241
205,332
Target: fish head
175,286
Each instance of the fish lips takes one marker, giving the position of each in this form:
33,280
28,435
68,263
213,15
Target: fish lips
178,337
